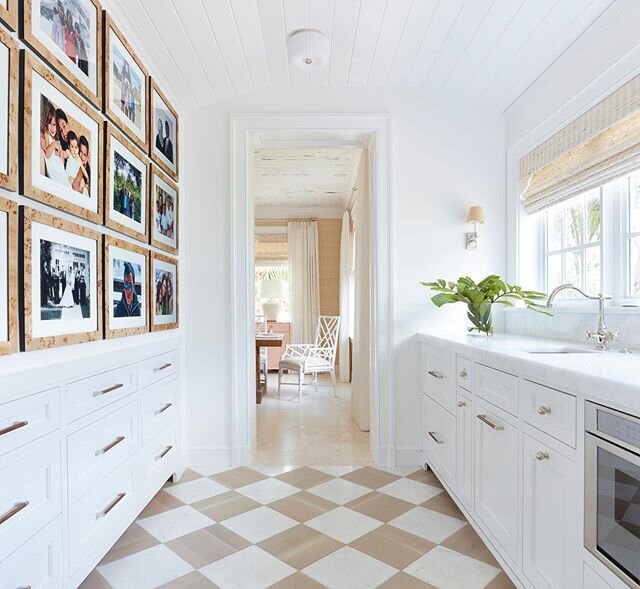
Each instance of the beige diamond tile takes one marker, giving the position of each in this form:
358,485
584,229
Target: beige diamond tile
188,475
502,581
425,477
298,581
300,546
380,506
133,540
94,581
303,506
224,506
404,581
162,502
393,546
238,477
466,541
370,477
194,580
304,477
205,546
444,504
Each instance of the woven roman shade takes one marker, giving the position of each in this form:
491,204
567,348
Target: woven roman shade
599,146
271,249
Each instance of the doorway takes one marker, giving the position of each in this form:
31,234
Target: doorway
249,132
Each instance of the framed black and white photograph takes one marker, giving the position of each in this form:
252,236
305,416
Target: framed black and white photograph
62,144
126,297
9,13
163,294
127,186
68,35
164,132
62,276
164,211
8,277
8,112
126,86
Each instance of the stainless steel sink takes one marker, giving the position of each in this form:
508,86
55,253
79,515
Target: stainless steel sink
558,350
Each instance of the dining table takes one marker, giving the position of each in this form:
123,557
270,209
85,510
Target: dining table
264,340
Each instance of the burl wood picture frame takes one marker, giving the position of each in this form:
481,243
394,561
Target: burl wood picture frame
165,192
75,251
160,265
121,153
39,86
119,103
122,319
8,277
8,149
9,14
160,108
88,83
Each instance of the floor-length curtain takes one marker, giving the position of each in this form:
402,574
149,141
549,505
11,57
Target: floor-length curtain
304,280
346,264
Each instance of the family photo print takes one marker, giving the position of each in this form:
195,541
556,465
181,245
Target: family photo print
164,293
164,144
164,212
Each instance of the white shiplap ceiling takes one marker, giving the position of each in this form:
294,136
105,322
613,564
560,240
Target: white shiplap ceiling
206,51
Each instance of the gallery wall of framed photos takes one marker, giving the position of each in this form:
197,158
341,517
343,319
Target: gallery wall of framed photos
89,181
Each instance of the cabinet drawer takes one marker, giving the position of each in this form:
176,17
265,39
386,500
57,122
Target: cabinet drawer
38,563
464,448
464,371
157,458
549,410
97,449
99,512
497,387
90,394
158,367
439,377
30,492
29,418
439,441
158,408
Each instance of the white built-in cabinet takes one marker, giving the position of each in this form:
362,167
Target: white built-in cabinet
505,449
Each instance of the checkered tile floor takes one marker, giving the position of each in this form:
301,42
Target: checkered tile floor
307,528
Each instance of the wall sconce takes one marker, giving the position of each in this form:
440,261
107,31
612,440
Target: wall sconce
475,216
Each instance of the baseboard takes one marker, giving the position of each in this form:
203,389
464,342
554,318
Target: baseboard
205,459
408,457
385,456
241,456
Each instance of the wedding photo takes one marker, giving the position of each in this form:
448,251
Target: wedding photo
165,212
165,130
164,293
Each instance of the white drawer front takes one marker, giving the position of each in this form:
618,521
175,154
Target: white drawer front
38,563
157,458
90,394
497,387
159,367
30,492
549,410
439,377
439,437
99,512
97,449
464,370
158,408
29,418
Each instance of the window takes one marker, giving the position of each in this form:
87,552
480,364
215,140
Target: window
593,241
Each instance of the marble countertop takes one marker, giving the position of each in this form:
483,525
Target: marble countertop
610,378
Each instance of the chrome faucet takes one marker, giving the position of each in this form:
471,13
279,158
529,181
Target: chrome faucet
602,336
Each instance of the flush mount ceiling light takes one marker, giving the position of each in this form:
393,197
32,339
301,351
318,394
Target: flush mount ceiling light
308,49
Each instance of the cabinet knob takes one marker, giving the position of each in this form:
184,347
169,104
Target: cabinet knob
463,373
543,410
540,455
461,404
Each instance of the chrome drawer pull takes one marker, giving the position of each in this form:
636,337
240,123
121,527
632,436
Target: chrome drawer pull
163,409
543,410
15,510
461,404
463,373
164,453
110,446
106,391
435,438
111,505
542,455
484,419
25,587
435,374
13,427
163,367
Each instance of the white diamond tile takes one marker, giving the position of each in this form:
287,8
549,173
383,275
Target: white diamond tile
196,490
339,491
343,524
410,491
259,524
268,491
175,523
428,524
336,471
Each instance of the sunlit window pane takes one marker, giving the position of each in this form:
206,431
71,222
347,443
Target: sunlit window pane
634,260
574,223
634,203
554,271
554,229
594,270
574,267
594,218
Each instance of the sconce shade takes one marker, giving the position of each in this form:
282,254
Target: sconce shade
475,215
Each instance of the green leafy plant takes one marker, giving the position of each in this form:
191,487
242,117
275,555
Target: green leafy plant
479,298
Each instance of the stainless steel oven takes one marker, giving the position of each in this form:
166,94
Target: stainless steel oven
612,490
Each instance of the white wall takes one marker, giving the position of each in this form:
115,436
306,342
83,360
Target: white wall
445,157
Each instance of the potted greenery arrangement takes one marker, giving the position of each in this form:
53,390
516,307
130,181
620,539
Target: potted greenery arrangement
480,298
